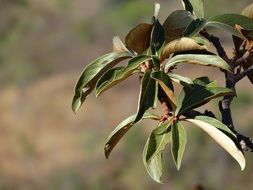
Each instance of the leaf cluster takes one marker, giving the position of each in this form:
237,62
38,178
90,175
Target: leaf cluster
153,51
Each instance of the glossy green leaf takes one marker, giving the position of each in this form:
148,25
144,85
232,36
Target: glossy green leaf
225,21
116,75
180,45
198,94
199,59
156,62
179,78
138,39
194,28
154,167
122,129
222,135
157,37
178,143
176,23
165,83
194,6
228,22
92,72
148,95
154,146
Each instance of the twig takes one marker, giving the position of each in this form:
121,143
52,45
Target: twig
216,42
231,79
244,73
242,59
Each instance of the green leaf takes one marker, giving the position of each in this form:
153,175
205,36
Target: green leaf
194,6
201,41
222,135
178,143
179,45
176,23
91,73
156,62
148,95
154,167
138,39
116,75
194,28
165,83
199,59
154,146
198,94
225,21
179,78
228,22
122,129
157,37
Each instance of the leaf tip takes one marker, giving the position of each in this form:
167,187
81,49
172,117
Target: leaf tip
76,104
157,9
107,150
242,162
97,94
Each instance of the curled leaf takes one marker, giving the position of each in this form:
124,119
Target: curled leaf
199,59
118,45
179,45
138,39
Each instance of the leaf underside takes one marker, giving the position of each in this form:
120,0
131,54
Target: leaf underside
199,59
222,135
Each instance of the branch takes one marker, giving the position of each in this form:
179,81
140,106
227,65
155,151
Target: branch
231,80
193,113
245,142
242,59
216,42
241,75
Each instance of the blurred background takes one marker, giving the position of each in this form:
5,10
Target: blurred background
44,45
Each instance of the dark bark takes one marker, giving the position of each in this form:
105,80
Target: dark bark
231,80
